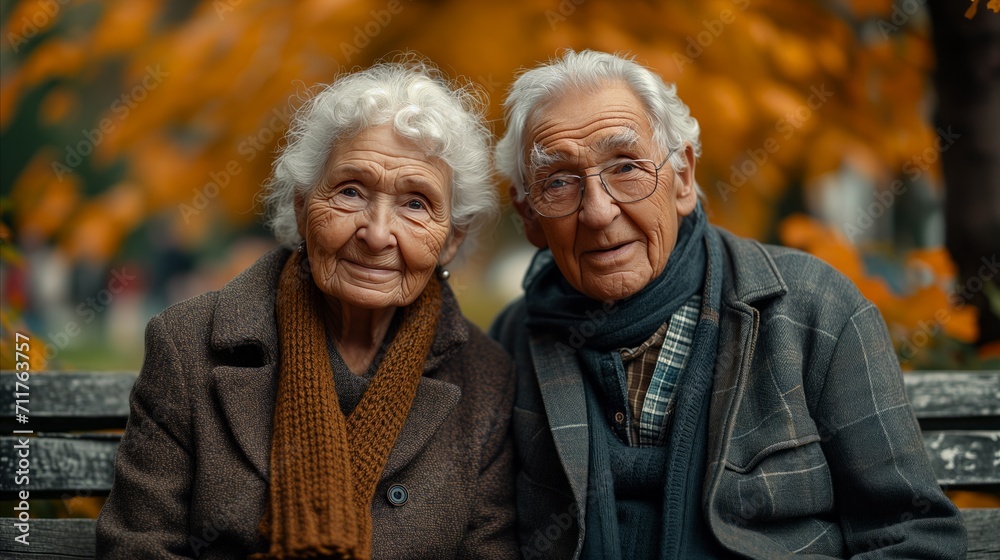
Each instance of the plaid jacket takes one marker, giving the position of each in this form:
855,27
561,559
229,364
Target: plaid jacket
813,448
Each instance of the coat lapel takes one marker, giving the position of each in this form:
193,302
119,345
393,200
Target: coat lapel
246,396
244,325
246,387
749,276
433,402
561,384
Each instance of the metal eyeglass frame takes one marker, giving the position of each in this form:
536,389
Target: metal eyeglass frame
583,185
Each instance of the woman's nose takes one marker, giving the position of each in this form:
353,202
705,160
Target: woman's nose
376,231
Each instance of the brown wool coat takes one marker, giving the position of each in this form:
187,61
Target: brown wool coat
191,474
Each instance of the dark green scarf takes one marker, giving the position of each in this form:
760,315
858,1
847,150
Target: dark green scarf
604,326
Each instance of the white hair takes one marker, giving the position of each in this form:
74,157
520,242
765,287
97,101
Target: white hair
671,120
421,105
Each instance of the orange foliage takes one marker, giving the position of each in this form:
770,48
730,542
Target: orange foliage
930,301
746,69
200,104
969,499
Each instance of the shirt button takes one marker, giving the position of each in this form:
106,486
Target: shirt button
619,417
397,495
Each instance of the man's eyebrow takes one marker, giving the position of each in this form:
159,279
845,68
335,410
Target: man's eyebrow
540,157
622,140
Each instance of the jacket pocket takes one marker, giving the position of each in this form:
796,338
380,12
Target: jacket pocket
785,480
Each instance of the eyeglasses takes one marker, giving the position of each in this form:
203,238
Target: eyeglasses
626,180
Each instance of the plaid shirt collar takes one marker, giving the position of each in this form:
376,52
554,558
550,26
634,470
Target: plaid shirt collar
652,371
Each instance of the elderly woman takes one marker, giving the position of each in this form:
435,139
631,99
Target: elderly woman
331,401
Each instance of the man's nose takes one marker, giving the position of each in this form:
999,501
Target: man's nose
599,209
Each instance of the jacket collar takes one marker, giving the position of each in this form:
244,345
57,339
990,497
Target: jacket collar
245,317
244,311
750,273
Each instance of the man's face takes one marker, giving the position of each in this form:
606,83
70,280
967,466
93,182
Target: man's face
607,250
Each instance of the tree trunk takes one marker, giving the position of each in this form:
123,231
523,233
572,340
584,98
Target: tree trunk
967,80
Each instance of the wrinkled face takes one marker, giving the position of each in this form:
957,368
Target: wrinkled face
379,224
607,250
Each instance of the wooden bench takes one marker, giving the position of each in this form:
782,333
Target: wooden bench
958,411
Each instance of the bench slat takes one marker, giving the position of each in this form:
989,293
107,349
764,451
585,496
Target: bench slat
73,400
71,464
964,458
953,394
75,538
936,394
984,539
64,465
50,538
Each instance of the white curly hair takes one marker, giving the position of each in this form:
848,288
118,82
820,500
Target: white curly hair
422,106
671,120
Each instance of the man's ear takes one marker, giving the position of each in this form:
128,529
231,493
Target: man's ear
451,245
532,228
684,184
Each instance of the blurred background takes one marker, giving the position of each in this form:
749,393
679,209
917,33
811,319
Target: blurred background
136,134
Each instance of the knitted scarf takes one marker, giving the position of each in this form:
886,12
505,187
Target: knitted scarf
325,467
554,304
598,329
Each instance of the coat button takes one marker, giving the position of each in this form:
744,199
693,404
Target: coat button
397,494
619,417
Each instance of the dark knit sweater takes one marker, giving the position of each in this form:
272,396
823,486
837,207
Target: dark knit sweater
645,502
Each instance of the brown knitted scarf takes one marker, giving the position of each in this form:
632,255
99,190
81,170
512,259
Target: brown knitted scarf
325,467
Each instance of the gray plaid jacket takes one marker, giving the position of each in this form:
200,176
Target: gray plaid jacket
813,448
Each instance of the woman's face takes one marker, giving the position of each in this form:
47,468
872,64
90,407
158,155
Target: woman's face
379,224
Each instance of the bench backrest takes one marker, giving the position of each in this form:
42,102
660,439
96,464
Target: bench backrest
959,413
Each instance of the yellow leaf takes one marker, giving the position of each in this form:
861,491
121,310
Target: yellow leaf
971,12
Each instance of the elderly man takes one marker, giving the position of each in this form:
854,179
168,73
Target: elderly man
683,392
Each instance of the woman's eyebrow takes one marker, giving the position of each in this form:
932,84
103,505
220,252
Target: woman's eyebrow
351,169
